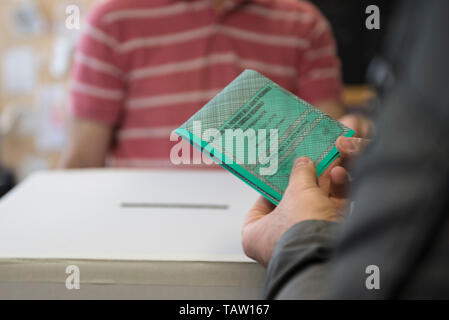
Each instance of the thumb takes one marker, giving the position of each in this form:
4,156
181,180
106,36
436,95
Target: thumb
303,175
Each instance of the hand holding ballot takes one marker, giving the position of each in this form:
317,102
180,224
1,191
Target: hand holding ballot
306,198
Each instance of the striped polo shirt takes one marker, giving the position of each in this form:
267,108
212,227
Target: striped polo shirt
146,66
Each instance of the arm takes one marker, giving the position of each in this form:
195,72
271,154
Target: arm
295,239
299,268
87,146
298,257
97,92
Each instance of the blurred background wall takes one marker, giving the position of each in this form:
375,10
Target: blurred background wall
35,56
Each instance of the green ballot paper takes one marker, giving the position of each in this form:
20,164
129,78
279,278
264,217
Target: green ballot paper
256,129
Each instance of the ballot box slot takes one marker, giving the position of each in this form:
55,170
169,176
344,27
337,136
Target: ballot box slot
174,205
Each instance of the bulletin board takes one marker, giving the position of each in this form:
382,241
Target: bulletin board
32,113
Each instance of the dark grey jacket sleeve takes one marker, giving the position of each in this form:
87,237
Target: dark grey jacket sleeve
299,268
400,221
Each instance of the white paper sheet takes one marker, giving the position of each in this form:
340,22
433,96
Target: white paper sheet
18,70
50,114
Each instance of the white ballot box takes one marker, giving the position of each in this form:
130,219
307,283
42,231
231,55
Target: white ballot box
127,234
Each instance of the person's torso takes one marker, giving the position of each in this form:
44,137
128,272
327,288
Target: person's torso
179,54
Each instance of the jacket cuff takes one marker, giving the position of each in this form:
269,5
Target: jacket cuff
305,244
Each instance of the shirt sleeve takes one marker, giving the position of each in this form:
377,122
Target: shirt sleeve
300,267
97,86
319,68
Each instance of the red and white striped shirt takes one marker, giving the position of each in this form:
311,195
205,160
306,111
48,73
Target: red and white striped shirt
145,66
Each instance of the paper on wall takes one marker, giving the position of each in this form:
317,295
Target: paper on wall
27,19
18,70
50,113
63,47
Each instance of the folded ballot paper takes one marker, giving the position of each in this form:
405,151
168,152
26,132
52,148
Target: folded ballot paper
256,129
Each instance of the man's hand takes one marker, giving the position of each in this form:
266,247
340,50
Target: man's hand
337,175
303,200
335,180
306,198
